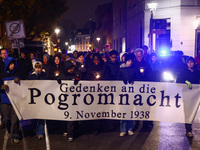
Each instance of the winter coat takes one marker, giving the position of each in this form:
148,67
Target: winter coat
186,74
82,67
127,74
146,75
8,75
46,68
157,70
24,67
113,68
35,76
100,69
54,68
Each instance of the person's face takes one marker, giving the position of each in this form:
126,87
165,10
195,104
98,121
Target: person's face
139,56
4,54
154,59
190,64
12,66
57,60
129,63
45,59
81,58
113,58
32,56
75,54
38,70
23,55
96,60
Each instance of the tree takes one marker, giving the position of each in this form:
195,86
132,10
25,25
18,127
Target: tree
39,16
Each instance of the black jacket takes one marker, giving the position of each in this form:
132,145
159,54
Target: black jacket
113,68
98,70
192,77
24,67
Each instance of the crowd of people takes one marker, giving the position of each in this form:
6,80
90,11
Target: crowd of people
129,66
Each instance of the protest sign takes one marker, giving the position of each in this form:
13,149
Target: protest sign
89,100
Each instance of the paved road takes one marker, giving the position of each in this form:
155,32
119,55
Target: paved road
163,136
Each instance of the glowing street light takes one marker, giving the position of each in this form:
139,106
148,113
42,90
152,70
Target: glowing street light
152,7
57,31
98,39
66,43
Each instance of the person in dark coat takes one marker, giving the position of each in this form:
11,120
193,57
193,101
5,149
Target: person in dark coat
46,66
128,75
38,74
190,75
57,68
8,113
82,66
156,67
70,75
113,64
143,73
4,54
98,70
24,65
143,69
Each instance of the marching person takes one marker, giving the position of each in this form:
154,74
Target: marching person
113,64
70,75
190,75
97,72
38,74
143,73
128,75
8,113
57,68
156,67
46,66
24,65
4,54
81,65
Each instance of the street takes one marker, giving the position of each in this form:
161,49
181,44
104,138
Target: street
164,136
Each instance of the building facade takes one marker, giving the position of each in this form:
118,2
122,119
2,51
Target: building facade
82,40
180,34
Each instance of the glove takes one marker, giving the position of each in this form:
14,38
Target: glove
131,82
16,80
76,81
58,80
125,82
4,87
189,84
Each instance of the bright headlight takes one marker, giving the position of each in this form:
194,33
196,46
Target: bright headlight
168,76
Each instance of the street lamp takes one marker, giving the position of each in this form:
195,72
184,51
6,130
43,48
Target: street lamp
98,39
57,31
152,7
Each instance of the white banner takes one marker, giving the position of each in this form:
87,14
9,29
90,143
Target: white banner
157,101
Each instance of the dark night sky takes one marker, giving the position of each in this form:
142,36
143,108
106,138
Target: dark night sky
80,11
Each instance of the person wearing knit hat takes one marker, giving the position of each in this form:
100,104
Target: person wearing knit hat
190,59
190,75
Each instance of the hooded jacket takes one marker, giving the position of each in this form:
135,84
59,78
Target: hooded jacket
8,75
